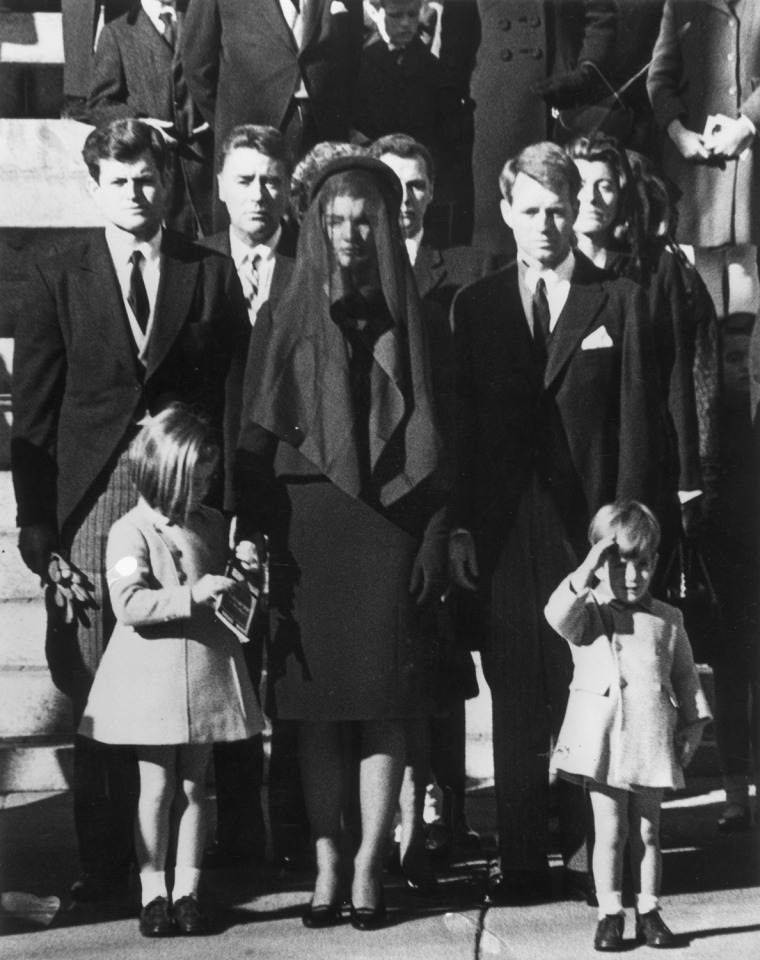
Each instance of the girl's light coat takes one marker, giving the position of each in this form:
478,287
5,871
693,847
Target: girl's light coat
171,673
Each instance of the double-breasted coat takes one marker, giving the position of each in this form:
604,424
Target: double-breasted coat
634,685
706,62
172,672
504,50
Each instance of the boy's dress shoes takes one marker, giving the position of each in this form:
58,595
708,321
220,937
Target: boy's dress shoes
188,917
652,930
609,933
156,919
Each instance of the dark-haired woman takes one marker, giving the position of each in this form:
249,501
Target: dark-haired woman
339,465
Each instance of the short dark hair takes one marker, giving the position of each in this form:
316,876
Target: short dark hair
263,139
406,147
164,455
636,522
125,140
546,163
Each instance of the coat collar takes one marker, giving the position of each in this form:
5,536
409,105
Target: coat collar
429,269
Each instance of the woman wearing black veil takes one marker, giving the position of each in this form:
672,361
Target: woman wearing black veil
339,465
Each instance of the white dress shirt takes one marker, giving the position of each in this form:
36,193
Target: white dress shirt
242,254
121,245
557,282
154,8
413,246
294,18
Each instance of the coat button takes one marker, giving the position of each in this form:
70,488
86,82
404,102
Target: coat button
623,684
506,55
505,23
534,21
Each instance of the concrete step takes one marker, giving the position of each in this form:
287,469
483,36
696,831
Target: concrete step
32,706
43,182
35,767
16,581
22,634
31,64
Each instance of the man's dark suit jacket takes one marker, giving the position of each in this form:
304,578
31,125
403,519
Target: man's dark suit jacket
243,66
590,423
78,384
284,257
134,76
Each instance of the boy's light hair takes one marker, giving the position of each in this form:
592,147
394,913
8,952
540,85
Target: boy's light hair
163,458
635,521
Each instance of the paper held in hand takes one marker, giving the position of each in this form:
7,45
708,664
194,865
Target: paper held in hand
237,607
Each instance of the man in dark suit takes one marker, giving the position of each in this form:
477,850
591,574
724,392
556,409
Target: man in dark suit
289,64
255,165
138,72
558,413
118,325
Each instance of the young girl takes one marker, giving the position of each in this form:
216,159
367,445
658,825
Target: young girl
172,680
636,709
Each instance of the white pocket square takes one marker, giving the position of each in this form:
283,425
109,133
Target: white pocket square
597,340
337,6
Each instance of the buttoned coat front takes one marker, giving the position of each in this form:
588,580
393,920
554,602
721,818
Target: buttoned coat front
634,685
172,672
707,62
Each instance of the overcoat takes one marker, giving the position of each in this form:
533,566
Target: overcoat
172,672
508,48
634,685
706,62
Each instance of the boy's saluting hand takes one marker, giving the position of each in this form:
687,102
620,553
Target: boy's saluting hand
586,574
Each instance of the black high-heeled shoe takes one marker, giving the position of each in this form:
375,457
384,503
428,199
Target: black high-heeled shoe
368,918
324,915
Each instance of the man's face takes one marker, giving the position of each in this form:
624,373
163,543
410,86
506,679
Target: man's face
131,195
400,21
541,220
255,189
417,191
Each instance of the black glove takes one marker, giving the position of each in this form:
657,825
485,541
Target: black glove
569,89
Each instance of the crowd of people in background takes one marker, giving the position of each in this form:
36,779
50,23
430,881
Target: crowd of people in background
433,298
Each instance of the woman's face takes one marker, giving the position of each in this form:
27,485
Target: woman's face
349,231
598,199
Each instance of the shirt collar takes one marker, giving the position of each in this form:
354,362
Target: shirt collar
242,252
562,273
122,245
413,246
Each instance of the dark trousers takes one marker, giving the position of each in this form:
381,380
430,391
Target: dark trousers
106,779
528,668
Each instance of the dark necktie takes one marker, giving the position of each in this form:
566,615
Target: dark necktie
170,30
541,318
137,297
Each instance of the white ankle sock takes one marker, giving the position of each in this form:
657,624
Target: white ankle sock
186,881
153,883
647,902
610,902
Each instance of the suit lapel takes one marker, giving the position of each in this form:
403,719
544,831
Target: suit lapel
583,305
175,294
101,306
316,12
272,11
429,269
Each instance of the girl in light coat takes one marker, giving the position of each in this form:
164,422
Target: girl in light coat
172,681
636,709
